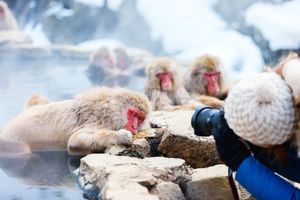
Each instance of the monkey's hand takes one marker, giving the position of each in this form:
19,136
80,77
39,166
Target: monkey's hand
210,101
92,140
124,137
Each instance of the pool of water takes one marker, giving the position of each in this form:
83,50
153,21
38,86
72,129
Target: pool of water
42,175
45,175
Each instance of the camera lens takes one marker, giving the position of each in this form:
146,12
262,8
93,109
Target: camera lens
201,120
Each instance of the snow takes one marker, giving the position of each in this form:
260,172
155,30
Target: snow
37,35
112,4
178,28
59,11
192,28
93,45
279,24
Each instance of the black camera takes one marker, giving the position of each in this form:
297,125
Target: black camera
206,120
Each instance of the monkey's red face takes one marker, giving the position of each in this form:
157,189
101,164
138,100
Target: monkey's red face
108,60
122,62
165,79
134,120
213,82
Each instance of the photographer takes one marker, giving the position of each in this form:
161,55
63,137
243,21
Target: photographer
253,136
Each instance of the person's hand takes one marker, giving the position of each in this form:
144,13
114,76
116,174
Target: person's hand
231,150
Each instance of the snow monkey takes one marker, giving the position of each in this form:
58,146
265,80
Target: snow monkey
164,88
123,61
7,20
204,80
289,69
101,61
91,122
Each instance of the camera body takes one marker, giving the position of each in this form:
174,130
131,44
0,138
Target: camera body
206,120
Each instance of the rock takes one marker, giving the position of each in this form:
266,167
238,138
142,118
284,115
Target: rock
209,183
140,148
168,191
70,52
121,176
13,38
179,140
55,52
120,190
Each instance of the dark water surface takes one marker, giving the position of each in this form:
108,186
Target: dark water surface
45,175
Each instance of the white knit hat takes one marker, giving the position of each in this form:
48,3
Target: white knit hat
261,110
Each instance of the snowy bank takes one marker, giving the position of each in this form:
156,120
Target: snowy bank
279,24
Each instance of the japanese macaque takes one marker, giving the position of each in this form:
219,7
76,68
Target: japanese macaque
204,80
7,20
289,69
123,61
102,59
92,122
8,148
164,88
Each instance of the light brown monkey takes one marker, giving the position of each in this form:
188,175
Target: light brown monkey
289,69
92,122
7,19
8,148
164,87
123,61
205,81
36,100
102,62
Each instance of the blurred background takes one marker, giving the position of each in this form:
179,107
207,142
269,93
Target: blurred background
248,32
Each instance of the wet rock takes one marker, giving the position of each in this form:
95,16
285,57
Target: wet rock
168,191
209,183
179,140
120,176
55,52
70,52
13,38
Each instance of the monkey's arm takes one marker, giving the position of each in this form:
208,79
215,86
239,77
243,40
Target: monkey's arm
160,100
210,101
91,140
182,96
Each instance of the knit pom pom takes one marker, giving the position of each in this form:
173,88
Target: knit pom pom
265,91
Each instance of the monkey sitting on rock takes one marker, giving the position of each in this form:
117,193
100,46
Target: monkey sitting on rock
164,87
205,81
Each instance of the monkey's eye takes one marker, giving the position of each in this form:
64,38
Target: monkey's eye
210,74
134,114
141,118
163,74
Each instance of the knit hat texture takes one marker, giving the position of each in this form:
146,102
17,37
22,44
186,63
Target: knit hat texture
261,109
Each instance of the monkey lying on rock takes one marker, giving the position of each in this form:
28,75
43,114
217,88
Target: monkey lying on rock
89,123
